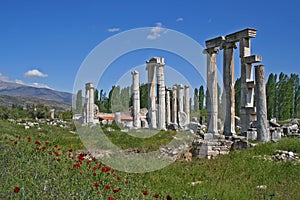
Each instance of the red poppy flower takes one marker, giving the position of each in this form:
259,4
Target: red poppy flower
37,143
115,191
43,148
80,157
96,185
15,142
70,150
81,172
56,146
156,196
56,153
126,181
111,198
47,143
169,197
29,139
50,152
58,159
145,192
17,189
94,174
107,187
69,169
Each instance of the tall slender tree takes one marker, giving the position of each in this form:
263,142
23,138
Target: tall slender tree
196,100
271,95
201,98
237,90
79,102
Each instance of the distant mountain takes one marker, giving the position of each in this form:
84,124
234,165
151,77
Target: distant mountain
19,90
7,101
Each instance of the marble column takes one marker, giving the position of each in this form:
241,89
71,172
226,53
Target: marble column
136,99
168,107
212,88
180,97
263,133
174,104
52,114
89,88
228,80
161,121
151,96
186,107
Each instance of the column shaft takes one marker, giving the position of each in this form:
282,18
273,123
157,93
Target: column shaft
228,80
168,107
174,105
161,97
187,103
263,133
151,97
136,99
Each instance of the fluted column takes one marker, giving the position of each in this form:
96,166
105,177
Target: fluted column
174,104
161,122
186,107
168,107
136,99
228,80
263,133
212,98
151,96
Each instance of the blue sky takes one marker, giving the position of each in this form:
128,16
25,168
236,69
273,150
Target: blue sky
45,42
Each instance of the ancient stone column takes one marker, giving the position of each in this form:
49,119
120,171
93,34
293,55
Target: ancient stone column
228,80
151,96
168,106
180,97
174,104
186,107
136,99
52,114
247,95
161,122
263,133
212,95
89,88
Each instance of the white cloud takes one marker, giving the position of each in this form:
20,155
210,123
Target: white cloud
3,78
180,19
113,30
34,73
155,31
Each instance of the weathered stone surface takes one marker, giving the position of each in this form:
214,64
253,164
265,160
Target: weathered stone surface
263,133
136,99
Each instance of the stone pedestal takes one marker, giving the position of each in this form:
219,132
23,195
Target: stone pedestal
136,99
263,133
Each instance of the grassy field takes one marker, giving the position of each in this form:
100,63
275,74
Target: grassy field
36,164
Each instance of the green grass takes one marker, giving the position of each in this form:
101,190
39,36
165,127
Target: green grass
40,175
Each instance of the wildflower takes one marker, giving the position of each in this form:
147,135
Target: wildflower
69,169
94,174
56,153
70,150
58,159
29,139
46,142
107,187
80,157
96,185
169,197
115,191
156,196
43,148
111,198
80,172
145,192
17,189
37,143
39,136
15,142
126,181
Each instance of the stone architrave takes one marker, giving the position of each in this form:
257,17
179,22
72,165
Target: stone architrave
168,107
89,95
228,80
212,97
263,133
161,121
151,95
174,104
186,107
136,99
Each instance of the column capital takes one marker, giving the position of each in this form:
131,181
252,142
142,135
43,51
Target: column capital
210,51
228,45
